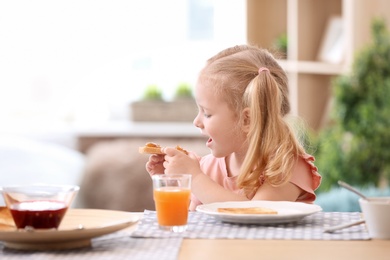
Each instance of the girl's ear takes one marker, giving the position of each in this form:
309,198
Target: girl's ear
246,119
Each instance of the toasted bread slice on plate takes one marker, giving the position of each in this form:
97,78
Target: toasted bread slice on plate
252,210
6,220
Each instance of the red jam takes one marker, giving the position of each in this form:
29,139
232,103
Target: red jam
38,214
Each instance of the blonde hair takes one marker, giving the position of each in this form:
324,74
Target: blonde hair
273,148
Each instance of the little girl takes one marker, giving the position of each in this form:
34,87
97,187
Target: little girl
242,97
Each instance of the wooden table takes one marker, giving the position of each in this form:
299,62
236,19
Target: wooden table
215,249
283,249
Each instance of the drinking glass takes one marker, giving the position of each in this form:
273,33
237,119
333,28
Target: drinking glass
171,193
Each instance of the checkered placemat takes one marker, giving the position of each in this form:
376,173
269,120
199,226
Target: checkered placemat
118,245
312,227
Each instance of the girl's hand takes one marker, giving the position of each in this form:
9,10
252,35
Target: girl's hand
155,164
178,162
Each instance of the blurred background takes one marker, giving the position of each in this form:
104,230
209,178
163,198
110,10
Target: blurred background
69,62
71,72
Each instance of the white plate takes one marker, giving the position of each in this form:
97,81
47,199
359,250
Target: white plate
287,211
95,223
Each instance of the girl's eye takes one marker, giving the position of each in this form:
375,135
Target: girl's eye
202,111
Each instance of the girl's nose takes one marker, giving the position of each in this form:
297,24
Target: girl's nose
197,122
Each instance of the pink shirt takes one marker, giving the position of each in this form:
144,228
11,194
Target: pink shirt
307,178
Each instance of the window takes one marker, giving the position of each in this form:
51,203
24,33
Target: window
86,60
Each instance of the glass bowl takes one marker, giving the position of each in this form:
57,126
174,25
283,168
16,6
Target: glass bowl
38,206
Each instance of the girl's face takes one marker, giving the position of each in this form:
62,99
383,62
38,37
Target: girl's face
218,121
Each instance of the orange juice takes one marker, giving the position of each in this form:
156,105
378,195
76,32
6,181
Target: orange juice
172,205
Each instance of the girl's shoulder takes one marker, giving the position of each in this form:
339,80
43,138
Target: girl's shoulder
305,175
309,160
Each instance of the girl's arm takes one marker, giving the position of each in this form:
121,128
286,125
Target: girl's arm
208,191
202,186
290,191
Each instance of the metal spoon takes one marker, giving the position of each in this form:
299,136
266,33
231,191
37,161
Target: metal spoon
350,188
338,227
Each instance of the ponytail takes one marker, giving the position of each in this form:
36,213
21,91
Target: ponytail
273,148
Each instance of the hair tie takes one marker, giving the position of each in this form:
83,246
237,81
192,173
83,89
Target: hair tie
263,69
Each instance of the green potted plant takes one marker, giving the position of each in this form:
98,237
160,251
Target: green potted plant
152,107
184,102
183,91
153,92
280,45
355,147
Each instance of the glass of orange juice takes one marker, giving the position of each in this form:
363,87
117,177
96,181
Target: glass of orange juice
171,193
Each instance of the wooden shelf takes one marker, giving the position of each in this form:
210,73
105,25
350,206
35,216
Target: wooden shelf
305,23
312,67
